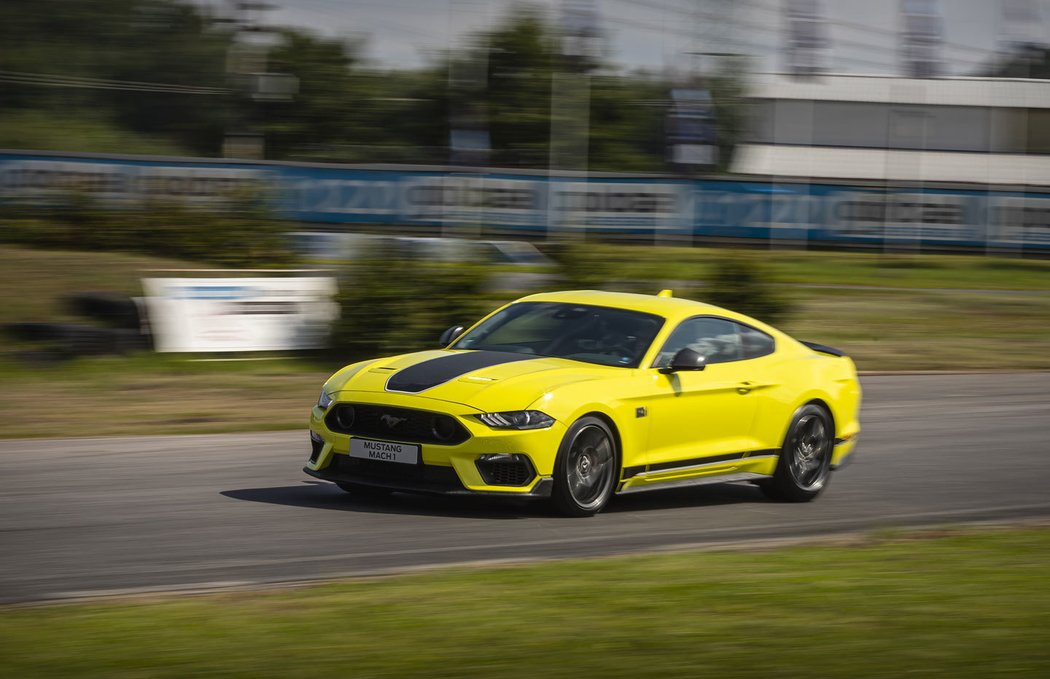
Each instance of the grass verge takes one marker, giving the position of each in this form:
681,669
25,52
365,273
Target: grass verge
959,603
156,394
893,269
943,325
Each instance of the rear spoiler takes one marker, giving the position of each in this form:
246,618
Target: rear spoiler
824,349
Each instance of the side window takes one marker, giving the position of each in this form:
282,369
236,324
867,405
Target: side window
755,343
716,339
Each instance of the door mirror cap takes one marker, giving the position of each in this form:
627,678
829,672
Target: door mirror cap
451,335
685,359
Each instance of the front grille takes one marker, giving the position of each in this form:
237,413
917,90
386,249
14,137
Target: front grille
421,477
396,424
506,471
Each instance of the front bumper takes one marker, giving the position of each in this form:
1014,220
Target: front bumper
844,451
433,480
445,469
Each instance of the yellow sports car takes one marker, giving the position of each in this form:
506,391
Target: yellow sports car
575,396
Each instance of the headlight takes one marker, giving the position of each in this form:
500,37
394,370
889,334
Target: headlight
517,419
325,400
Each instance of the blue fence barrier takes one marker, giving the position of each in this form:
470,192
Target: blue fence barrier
978,217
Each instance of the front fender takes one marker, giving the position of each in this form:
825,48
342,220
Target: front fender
618,404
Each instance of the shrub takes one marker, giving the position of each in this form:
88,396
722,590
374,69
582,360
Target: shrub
238,234
391,305
585,266
742,283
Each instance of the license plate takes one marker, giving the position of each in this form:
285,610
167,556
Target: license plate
384,451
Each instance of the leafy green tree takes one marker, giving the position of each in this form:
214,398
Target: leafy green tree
626,128
324,110
343,111
521,63
125,44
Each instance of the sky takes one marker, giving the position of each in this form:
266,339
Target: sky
657,34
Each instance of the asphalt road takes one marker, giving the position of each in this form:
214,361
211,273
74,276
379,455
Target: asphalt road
87,516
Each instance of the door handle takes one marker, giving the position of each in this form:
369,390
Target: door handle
745,387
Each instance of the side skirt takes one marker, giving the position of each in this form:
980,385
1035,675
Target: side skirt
697,481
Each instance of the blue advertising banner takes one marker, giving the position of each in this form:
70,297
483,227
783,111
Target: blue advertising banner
817,212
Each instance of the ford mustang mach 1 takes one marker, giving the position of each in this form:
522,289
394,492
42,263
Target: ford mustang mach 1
577,396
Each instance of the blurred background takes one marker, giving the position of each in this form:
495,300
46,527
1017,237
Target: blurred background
311,182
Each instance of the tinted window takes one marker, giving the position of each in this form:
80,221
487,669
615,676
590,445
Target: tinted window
578,331
755,343
716,339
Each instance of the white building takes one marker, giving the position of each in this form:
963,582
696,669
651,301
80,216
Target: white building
856,127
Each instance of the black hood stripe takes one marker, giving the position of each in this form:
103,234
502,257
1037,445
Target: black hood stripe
427,374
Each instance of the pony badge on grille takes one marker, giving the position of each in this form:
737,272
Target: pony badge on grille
391,421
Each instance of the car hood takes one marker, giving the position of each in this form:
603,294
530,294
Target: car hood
486,380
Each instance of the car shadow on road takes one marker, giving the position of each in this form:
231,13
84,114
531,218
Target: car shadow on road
324,495
696,496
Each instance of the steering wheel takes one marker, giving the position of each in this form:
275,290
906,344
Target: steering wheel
616,344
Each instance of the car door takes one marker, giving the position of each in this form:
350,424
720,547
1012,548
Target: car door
704,414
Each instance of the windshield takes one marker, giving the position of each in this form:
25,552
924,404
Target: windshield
580,332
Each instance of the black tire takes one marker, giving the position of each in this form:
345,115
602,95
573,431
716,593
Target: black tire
116,311
804,467
363,491
587,468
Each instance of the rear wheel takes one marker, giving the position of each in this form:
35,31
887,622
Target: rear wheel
586,469
805,458
363,491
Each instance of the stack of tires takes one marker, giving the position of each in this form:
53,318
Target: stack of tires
114,325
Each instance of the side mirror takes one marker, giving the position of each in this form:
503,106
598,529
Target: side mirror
685,359
450,335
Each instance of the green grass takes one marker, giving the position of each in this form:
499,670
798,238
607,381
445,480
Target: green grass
961,272
898,330
157,393
33,282
955,603
885,329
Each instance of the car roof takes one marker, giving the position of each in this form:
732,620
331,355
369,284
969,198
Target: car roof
674,309
668,307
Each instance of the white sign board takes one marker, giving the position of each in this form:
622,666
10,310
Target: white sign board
240,314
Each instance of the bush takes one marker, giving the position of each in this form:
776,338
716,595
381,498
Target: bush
391,305
737,281
239,234
742,283
585,266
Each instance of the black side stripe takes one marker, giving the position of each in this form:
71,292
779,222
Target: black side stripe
628,472
439,370
696,461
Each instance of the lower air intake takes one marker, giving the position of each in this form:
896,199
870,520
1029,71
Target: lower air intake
505,470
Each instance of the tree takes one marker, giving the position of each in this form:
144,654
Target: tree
327,107
521,64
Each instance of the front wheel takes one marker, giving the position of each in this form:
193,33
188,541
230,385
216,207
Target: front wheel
586,469
805,458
